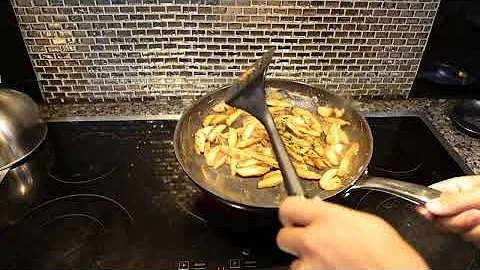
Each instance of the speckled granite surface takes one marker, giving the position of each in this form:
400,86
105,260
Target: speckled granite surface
434,110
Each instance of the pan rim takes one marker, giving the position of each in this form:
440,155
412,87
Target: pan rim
357,176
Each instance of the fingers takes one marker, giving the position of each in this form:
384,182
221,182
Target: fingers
460,223
458,184
296,264
289,240
298,211
301,212
424,212
454,203
300,264
448,203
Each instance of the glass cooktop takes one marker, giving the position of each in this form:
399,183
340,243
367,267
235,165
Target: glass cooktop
110,194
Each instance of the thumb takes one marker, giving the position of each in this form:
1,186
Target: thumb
451,204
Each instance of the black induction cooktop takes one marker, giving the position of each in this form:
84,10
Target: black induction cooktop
110,194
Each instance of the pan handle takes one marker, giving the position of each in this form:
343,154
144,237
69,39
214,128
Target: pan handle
414,193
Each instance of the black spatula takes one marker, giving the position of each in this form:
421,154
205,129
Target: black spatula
248,94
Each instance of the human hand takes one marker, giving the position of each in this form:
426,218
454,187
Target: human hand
458,208
327,235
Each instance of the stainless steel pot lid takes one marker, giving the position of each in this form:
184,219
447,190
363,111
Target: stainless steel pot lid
21,127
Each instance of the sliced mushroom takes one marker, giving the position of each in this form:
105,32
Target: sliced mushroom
338,148
333,136
248,163
320,163
329,181
303,172
332,184
271,179
266,159
324,111
255,170
232,117
338,112
208,119
220,159
342,135
338,121
332,156
247,133
211,155
294,155
319,150
218,119
347,160
247,143
308,160
220,107
232,137
278,103
201,136
276,110
216,132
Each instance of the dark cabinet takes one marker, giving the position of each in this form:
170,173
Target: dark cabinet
16,70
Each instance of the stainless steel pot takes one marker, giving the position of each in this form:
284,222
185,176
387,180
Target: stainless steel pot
21,128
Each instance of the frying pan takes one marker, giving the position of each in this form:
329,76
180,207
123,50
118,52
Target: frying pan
242,192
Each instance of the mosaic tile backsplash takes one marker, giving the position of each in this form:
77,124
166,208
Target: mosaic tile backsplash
112,50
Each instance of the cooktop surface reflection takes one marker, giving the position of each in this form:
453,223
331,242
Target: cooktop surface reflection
110,194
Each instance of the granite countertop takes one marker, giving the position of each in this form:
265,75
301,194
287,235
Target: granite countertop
434,110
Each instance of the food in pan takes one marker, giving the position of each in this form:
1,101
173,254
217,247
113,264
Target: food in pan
317,143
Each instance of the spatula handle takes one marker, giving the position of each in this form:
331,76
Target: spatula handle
290,178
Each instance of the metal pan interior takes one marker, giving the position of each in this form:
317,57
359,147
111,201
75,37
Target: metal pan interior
242,191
